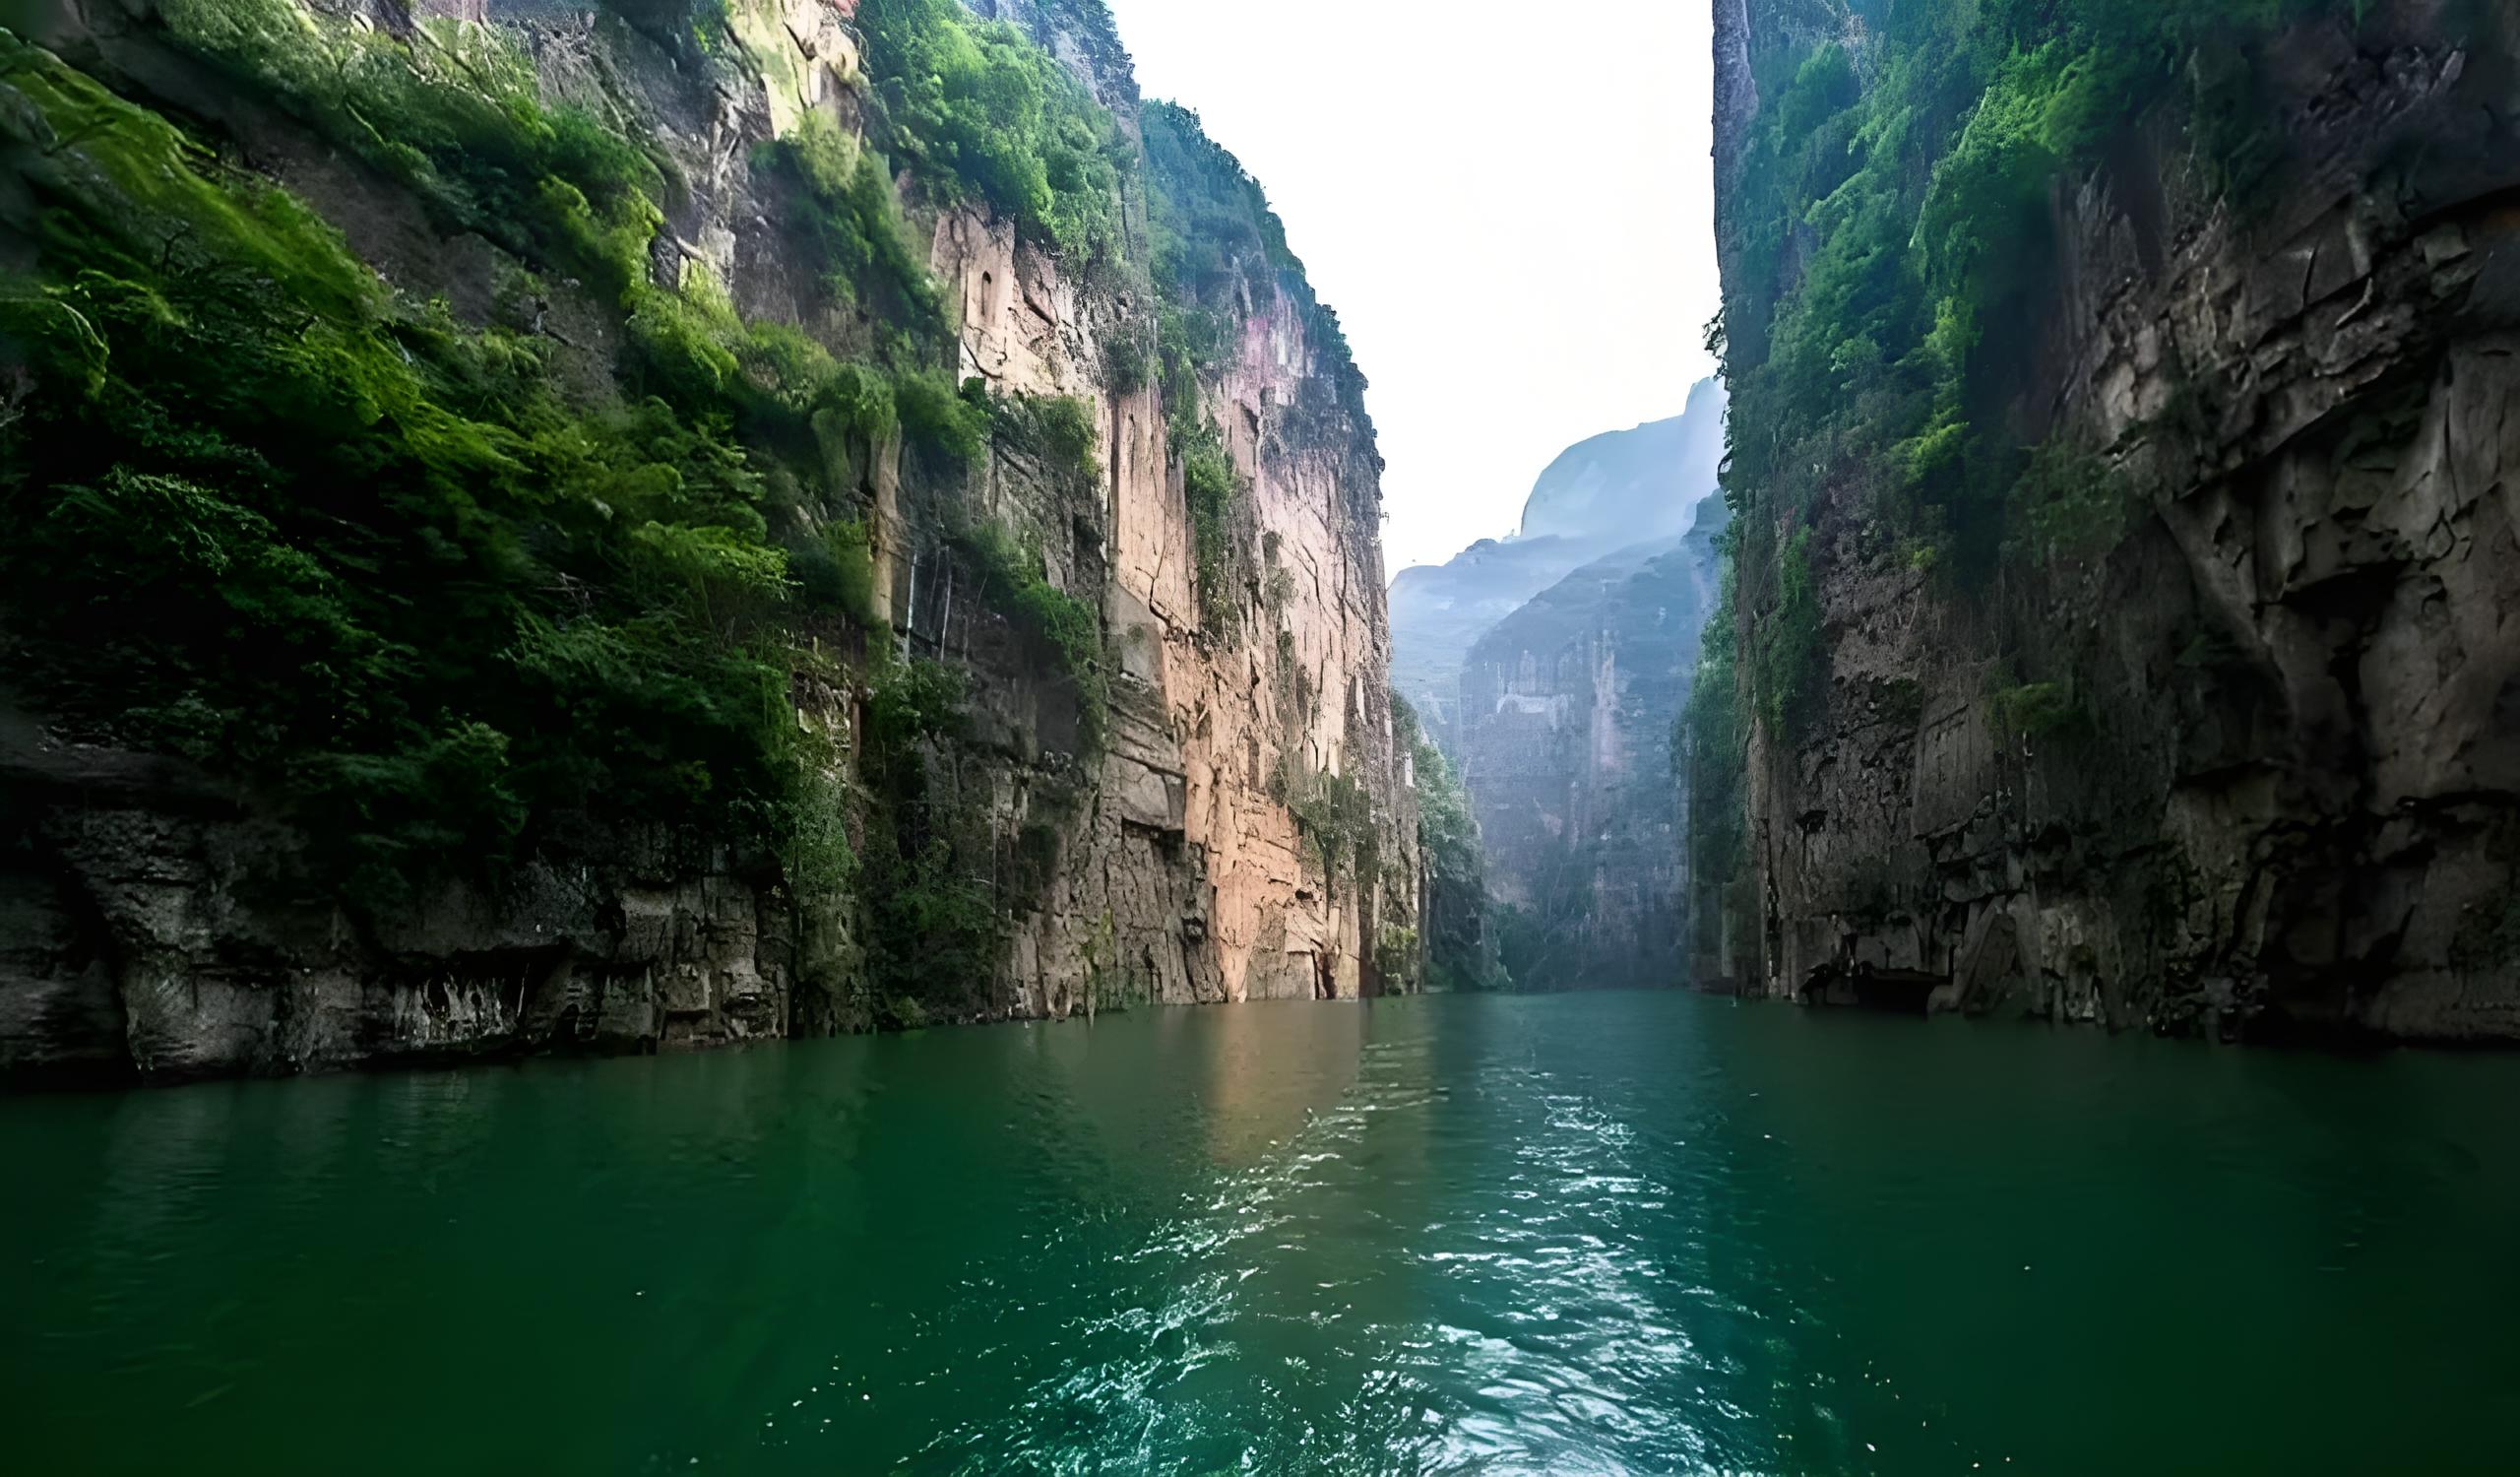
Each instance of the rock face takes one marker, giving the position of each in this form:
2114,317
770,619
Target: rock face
151,919
2289,801
144,935
1200,875
1599,497
1567,714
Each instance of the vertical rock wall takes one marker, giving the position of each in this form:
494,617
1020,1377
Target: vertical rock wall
2294,804
1211,890
141,929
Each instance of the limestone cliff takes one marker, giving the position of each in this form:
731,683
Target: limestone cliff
1079,665
2130,637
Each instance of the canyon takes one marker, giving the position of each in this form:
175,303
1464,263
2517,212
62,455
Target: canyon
662,525
831,550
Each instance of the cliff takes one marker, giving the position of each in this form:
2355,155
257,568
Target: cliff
2125,543
1568,707
1596,497
660,525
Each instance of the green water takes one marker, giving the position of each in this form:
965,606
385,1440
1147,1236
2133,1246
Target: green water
1639,1233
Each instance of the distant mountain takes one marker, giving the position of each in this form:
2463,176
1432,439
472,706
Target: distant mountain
1438,611
1633,486
1566,746
1600,495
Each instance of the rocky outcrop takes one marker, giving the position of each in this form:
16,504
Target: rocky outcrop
157,917
1565,734
2254,770
1599,497
147,931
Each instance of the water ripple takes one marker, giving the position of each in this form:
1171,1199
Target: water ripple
1601,1235
1491,1316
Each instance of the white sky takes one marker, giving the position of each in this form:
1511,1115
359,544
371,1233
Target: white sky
1510,206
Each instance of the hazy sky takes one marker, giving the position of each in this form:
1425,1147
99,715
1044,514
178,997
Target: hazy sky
1508,206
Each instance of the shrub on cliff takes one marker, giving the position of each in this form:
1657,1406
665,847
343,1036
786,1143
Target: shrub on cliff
931,904
1336,814
454,115
1457,951
1711,750
1888,231
356,557
949,425
844,203
1057,433
1790,658
977,109
1218,245
1214,489
1071,629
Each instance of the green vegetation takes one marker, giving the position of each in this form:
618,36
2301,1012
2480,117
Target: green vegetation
947,424
2069,505
1124,366
395,572
977,110
1216,241
454,116
1891,236
1336,815
931,933
1214,491
2025,712
1069,627
1220,254
454,599
1457,956
836,572
844,208
1890,254
1189,344
1711,754
333,544
1058,435
1396,959
1792,658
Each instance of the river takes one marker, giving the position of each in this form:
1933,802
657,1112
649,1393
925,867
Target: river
1613,1233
